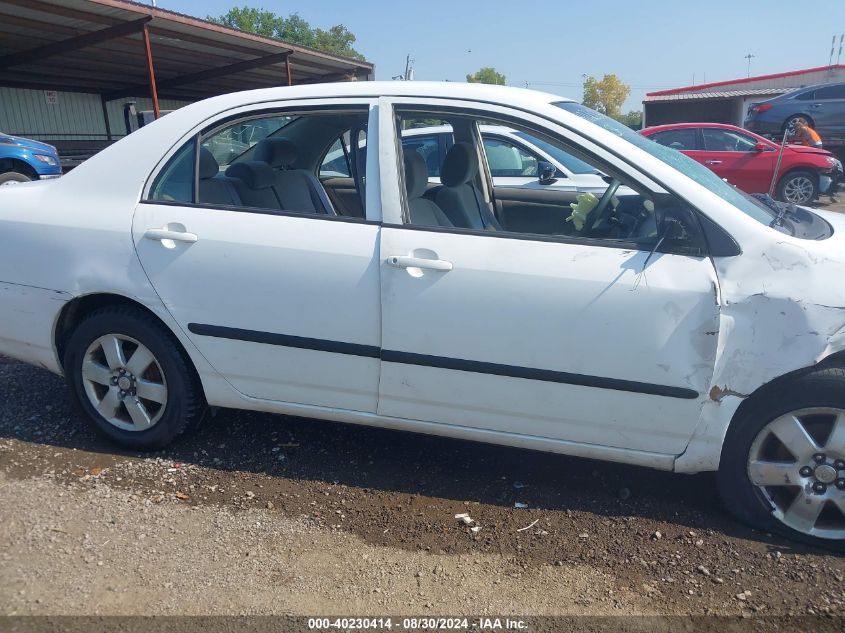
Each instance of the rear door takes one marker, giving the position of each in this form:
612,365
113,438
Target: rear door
284,304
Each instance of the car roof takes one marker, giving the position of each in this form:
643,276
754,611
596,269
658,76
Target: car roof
363,89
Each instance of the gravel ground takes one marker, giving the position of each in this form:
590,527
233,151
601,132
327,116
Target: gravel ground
266,514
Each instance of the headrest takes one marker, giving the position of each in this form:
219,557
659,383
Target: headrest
416,174
208,164
253,173
276,152
459,166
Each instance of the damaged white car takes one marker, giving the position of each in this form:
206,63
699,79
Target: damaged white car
669,321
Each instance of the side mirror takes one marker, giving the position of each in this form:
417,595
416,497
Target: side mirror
761,147
546,172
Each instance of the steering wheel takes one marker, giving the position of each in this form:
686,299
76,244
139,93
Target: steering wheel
602,210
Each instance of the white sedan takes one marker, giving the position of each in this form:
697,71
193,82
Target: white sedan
669,322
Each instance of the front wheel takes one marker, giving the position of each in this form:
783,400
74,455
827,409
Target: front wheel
130,379
798,187
783,463
13,178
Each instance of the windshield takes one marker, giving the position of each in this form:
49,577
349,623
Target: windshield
575,165
672,157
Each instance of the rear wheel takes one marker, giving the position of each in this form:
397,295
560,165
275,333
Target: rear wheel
129,378
13,178
798,187
789,124
783,463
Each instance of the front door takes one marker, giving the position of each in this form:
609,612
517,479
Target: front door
282,300
588,340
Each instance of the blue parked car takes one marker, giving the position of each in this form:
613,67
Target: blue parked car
22,160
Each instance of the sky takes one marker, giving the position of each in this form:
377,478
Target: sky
550,45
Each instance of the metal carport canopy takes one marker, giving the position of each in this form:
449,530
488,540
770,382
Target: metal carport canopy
98,46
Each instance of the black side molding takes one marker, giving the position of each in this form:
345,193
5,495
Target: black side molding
442,362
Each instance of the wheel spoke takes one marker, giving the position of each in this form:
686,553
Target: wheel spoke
109,404
138,413
151,391
789,430
836,440
140,360
113,350
95,372
763,473
804,512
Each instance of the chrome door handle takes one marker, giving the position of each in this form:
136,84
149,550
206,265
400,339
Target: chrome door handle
817,105
402,261
166,234
712,162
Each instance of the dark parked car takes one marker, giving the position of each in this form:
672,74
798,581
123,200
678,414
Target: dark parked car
822,106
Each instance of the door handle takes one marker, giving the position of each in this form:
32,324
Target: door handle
817,105
403,261
712,162
166,234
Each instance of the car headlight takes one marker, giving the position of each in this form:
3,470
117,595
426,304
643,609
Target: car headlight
49,160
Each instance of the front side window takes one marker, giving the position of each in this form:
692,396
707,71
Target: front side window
685,138
831,92
687,166
718,140
614,212
506,159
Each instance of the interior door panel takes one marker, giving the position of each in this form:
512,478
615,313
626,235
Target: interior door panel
542,211
344,196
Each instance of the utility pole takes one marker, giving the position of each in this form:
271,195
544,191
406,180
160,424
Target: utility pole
409,68
749,58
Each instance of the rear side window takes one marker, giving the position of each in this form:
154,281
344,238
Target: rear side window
681,139
175,183
807,96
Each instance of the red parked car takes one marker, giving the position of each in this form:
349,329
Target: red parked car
748,161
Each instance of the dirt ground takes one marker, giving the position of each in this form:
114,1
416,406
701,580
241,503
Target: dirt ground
262,514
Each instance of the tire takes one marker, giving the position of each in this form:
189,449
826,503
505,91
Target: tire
753,449
789,124
13,177
157,405
799,186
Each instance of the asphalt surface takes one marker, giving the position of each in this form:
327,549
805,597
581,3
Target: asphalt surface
600,537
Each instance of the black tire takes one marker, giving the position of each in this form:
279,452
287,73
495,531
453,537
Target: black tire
13,177
823,387
795,176
185,405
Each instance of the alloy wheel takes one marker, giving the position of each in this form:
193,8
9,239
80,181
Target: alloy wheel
124,382
797,464
798,190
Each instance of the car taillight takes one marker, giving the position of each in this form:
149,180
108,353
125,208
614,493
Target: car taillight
762,107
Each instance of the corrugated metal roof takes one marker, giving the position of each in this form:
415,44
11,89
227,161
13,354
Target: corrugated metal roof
725,94
36,51
790,79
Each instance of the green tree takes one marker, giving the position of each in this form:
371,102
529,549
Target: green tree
634,119
607,95
487,75
292,29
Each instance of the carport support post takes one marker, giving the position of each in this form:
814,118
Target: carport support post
151,70
287,70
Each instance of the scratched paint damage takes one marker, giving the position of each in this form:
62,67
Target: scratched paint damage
782,308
